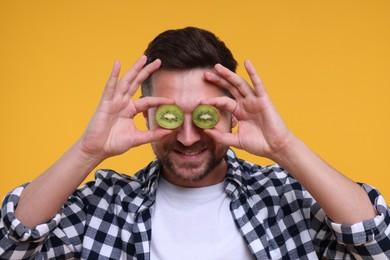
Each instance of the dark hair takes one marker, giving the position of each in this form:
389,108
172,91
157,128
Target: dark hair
187,48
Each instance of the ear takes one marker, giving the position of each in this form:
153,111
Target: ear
146,116
234,121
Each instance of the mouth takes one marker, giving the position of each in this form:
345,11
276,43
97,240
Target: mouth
190,154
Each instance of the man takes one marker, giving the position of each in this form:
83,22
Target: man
196,200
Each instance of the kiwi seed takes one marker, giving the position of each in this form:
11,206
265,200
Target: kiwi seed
205,116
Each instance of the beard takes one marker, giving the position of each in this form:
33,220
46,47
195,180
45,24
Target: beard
193,171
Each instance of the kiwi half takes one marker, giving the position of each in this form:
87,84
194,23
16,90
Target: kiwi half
205,116
169,116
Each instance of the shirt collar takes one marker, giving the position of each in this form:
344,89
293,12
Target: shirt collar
236,176
235,181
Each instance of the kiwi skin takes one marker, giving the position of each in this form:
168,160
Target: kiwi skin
205,116
169,116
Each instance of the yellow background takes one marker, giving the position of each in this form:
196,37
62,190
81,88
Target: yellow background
325,64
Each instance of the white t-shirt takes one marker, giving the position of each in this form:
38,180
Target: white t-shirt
194,223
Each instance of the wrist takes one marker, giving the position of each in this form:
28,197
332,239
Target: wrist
286,152
86,156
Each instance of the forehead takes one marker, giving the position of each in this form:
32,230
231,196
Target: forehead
182,84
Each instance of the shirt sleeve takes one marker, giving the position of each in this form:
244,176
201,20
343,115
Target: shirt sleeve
59,237
369,238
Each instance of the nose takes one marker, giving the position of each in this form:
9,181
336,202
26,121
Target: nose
188,133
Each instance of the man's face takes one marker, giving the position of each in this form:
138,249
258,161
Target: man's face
188,156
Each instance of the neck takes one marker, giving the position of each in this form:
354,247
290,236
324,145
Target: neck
216,175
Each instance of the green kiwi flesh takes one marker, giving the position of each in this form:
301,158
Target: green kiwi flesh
169,116
205,116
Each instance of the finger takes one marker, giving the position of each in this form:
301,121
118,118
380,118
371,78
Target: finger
125,82
224,103
145,103
221,82
222,137
238,82
145,73
149,136
255,79
110,87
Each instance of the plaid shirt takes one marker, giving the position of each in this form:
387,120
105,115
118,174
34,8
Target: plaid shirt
110,218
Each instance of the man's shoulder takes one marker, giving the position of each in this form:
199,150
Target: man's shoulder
110,178
262,178
267,176
111,182
249,170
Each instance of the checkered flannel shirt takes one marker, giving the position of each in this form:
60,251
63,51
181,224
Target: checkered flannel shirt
110,218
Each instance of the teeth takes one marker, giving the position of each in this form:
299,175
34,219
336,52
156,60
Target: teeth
190,153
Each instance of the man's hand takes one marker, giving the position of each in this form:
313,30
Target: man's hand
112,130
261,131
